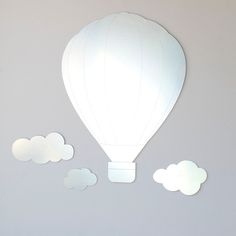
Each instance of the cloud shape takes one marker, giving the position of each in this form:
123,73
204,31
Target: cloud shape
186,177
42,149
80,179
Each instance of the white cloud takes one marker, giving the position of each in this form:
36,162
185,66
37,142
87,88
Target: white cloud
42,149
80,179
186,177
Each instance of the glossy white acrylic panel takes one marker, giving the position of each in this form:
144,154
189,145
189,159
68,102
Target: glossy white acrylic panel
123,75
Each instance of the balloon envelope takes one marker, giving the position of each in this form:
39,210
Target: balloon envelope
123,75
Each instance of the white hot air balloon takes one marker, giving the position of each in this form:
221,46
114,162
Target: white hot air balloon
123,75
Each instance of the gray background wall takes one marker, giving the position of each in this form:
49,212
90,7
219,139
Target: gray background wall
33,101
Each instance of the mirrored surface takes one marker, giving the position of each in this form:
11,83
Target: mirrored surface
123,75
80,179
186,177
41,149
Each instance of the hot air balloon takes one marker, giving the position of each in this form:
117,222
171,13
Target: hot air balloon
123,75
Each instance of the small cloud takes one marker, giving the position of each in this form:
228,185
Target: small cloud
80,179
42,149
186,177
